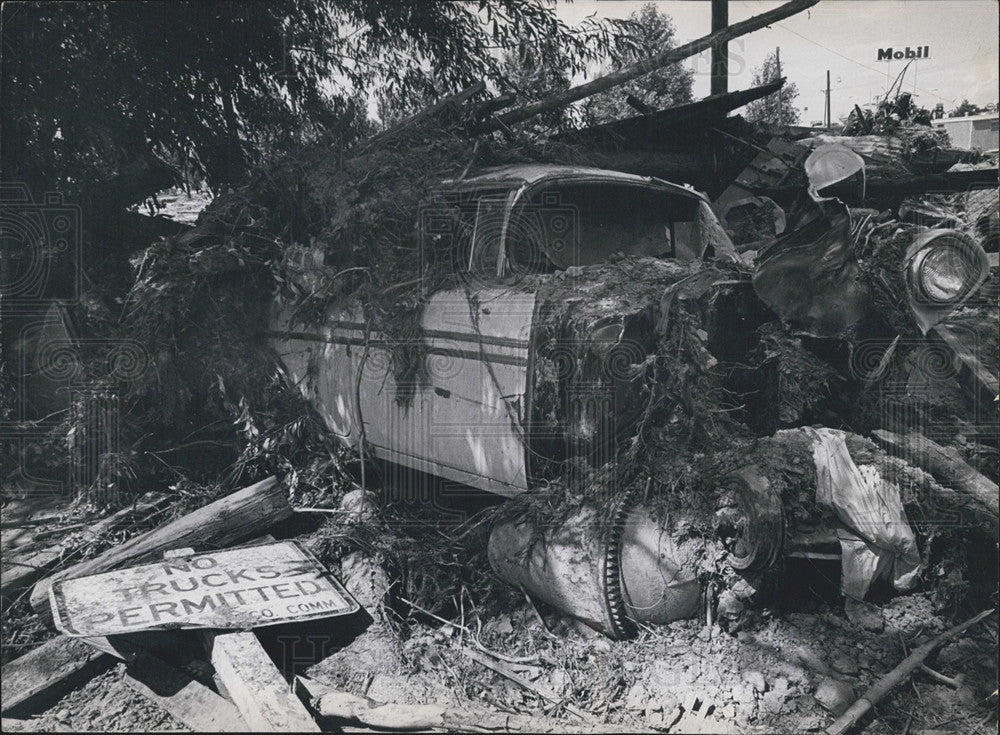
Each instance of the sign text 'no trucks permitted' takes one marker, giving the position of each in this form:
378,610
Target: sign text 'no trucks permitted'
237,588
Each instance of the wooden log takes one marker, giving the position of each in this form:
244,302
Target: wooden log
466,717
260,692
185,699
984,381
423,116
879,187
242,514
897,676
21,571
660,60
944,465
42,676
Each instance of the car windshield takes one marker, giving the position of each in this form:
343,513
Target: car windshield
561,225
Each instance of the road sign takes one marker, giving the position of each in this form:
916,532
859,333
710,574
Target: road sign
240,588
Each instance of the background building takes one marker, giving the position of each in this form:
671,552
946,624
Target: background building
979,132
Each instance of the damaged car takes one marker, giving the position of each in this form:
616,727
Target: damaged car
556,297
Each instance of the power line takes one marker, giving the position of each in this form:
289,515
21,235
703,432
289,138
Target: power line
854,61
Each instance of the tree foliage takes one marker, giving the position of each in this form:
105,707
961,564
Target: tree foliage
966,108
651,31
93,91
533,71
778,108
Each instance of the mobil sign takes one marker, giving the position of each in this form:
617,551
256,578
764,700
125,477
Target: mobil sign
910,52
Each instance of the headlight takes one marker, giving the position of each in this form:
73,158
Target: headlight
943,268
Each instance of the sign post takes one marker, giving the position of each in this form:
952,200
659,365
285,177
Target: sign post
910,54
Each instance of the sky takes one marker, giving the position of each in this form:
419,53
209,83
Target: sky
844,37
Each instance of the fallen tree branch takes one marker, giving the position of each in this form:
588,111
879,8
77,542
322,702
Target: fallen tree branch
897,676
941,678
944,465
542,692
660,60
472,637
20,572
412,121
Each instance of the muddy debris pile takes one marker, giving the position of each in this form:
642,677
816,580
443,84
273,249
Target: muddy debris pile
794,488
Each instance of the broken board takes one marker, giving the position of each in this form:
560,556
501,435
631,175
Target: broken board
236,589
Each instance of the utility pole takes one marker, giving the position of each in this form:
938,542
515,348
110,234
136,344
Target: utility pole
828,121
781,108
720,52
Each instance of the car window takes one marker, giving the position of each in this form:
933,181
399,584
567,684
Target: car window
487,235
566,224
450,223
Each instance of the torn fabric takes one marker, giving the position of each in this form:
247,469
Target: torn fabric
878,540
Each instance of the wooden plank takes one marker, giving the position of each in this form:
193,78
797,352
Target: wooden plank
255,685
43,675
185,699
19,572
245,513
23,570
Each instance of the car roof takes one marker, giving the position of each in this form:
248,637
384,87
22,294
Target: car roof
521,174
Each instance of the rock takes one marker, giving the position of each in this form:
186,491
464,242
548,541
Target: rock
365,578
809,723
773,701
834,695
742,694
863,614
359,505
637,697
756,680
844,665
731,611
811,660
794,673
705,633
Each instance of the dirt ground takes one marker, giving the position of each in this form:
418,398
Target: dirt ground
792,660
767,678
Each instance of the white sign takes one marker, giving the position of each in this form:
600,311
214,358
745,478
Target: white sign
237,588
909,52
